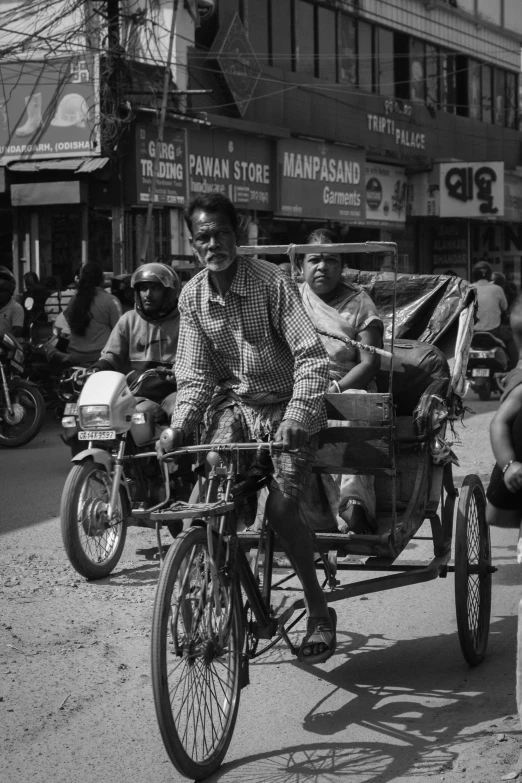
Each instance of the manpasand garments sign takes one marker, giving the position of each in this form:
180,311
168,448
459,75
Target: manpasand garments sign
237,165
472,190
321,181
49,108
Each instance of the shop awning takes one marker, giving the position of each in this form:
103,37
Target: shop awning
77,165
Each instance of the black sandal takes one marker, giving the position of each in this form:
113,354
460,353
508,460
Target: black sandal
320,631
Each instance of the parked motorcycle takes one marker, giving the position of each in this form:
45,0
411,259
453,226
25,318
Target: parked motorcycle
22,407
116,481
487,364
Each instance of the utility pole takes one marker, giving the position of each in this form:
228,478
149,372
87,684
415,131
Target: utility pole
159,140
114,82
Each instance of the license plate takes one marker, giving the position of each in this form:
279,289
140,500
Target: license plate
96,435
480,372
71,409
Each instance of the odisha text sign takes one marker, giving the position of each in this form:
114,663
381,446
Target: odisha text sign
320,181
238,166
472,190
49,108
170,182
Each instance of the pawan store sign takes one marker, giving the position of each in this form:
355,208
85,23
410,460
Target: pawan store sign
321,181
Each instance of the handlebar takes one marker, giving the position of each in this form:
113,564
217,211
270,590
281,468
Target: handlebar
222,447
166,372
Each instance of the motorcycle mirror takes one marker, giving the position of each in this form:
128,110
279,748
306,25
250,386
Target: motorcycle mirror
29,303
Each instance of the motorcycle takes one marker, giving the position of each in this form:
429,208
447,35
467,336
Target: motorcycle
116,481
487,364
22,407
58,383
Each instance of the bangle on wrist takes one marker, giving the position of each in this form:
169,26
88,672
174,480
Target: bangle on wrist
337,387
507,465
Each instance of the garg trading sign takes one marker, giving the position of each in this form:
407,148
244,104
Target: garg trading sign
171,179
49,108
472,190
321,181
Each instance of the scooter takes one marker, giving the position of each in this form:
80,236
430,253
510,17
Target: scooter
116,481
22,407
487,364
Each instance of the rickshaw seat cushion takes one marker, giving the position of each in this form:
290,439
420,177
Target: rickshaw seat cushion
415,366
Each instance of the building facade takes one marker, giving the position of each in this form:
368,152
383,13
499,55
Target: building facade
363,102
383,119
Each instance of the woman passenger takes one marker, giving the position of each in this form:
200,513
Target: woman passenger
344,309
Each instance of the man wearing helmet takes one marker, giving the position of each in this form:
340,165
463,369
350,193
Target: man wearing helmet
11,313
147,337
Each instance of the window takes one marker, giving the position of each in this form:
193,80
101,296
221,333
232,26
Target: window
282,36
347,49
305,43
258,21
365,56
401,65
511,100
461,85
417,71
487,115
385,60
474,93
432,76
499,93
326,51
449,85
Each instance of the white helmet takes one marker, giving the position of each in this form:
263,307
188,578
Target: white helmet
72,110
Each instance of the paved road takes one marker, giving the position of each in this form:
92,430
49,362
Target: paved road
32,478
396,703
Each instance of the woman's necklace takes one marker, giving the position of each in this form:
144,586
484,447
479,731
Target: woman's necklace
338,294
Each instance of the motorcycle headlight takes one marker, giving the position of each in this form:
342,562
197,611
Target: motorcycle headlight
93,416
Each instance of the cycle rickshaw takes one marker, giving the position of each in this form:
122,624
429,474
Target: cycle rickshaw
215,606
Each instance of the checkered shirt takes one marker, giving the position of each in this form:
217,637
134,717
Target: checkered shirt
257,342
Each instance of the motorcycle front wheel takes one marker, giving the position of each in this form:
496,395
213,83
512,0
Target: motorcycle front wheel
92,543
26,418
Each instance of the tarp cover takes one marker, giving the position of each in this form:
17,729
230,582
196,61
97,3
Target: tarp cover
427,305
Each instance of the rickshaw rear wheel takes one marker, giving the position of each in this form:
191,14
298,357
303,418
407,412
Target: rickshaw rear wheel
472,571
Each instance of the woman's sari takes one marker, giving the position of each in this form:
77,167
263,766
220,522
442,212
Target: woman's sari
347,315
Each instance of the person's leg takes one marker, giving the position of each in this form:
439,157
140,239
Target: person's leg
501,517
505,334
291,474
296,539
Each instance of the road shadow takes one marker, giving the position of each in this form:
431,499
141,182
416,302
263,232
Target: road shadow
418,698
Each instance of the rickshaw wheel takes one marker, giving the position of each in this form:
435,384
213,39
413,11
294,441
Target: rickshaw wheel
472,571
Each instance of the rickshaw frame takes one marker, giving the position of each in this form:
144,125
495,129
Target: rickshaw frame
210,530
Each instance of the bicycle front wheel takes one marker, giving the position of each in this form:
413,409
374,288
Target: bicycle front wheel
196,656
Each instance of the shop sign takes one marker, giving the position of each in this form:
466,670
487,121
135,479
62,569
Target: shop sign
449,246
238,63
237,165
392,120
171,181
472,190
49,108
323,181
513,198
386,191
